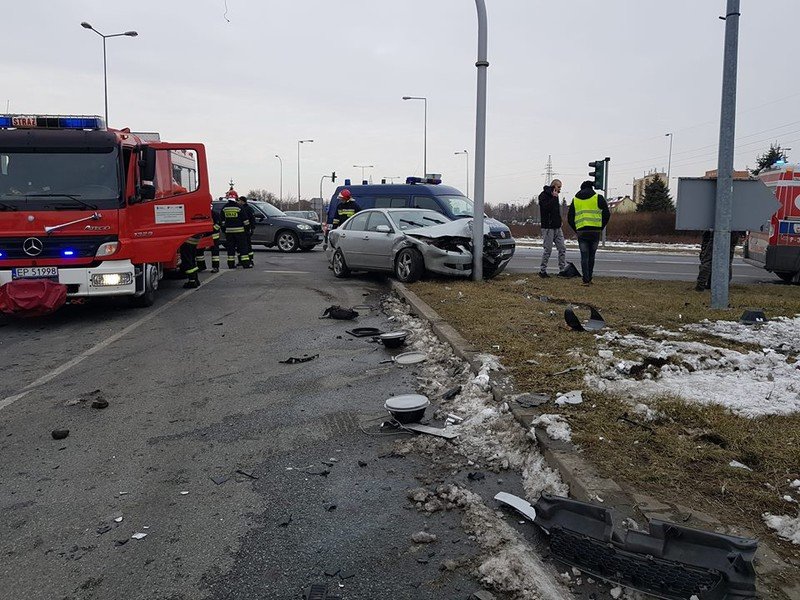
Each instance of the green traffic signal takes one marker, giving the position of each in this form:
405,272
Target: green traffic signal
599,174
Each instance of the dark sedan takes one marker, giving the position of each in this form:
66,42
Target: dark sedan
276,229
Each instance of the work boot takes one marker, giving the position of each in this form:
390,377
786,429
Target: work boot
215,269
192,283
544,275
247,266
201,267
231,265
562,273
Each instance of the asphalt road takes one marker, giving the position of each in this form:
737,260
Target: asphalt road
638,265
196,392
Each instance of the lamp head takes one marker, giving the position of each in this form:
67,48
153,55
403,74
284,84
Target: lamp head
131,33
86,25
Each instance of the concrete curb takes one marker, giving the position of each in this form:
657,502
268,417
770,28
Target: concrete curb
585,482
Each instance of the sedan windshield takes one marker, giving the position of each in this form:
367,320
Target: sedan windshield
411,219
460,206
59,180
268,209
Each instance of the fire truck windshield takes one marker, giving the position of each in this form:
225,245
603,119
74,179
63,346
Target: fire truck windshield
59,180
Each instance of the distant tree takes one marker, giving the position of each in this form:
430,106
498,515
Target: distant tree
262,196
656,197
769,158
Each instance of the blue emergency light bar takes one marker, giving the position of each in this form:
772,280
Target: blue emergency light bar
430,180
51,122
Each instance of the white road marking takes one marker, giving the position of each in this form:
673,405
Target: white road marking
97,347
289,272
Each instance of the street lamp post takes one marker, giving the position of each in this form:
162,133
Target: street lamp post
280,194
482,65
467,154
669,163
298,167
424,133
362,167
86,25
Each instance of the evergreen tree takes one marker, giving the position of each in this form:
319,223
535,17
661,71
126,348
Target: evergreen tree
769,158
656,197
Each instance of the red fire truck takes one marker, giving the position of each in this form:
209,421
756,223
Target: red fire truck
95,211
776,247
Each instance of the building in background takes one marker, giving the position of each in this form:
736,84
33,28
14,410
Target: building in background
736,174
641,183
621,205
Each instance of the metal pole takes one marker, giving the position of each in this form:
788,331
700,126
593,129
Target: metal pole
669,162
480,143
467,153
605,179
280,194
425,142
298,172
105,78
727,125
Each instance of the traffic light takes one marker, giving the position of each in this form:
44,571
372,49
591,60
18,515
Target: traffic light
333,177
599,174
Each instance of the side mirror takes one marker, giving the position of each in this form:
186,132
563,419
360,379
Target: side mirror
383,229
259,217
147,191
147,163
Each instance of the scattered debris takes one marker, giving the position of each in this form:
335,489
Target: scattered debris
737,465
595,322
394,339
567,370
330,506
483,595
615,592
346,574
476,476
573,397
184,493
138,536
453,420
423,537
59,434
407,408
556,426
285,521
446,433
785,526
100,403
292,360
319,591
118,520
364,331
104,529
407,358
754,316
531,400
246,474
522,506
451,393
362,463
220,479
337,312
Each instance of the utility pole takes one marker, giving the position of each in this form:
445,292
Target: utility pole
482,65
727,126
549,173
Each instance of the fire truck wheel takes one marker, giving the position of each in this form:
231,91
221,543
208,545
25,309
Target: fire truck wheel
287,241
150,282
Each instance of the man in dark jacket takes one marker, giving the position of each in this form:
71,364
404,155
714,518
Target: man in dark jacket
707,258
588,215
550,214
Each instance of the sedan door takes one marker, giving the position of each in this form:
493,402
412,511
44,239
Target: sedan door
378,245
350,240
261,234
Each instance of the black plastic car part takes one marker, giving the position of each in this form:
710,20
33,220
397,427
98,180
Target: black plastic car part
670,561
595,322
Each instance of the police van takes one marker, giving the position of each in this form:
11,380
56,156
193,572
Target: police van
418,192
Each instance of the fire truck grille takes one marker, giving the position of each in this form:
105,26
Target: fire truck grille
49,247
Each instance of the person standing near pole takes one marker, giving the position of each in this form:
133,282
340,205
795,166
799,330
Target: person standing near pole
550,216
707,258
250,215
234,226
588,215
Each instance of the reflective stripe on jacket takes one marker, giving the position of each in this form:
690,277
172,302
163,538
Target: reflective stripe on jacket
587,213
233,219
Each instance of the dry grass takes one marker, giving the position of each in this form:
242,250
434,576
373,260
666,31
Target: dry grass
685,455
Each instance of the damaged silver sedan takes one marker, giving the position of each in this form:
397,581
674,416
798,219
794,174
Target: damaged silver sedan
410,241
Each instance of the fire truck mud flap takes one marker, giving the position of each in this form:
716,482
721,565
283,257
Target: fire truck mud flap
32,298
669,561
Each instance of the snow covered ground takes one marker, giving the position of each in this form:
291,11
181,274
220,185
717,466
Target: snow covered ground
532,242
749,383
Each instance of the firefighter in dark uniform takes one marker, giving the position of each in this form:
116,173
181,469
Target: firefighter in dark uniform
250,215
189,261
346,208
234,226
201,253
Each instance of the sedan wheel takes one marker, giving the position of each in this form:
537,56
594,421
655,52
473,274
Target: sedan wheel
409,265
287,241
340,268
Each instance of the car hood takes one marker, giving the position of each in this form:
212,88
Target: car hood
296,220
458,228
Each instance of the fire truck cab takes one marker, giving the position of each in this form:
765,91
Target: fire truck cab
776,246
102,212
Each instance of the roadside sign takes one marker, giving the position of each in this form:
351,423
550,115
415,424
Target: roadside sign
753,204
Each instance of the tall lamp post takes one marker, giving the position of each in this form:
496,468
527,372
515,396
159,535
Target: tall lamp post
482,65
362,167
298,167
280,194
467,155
86,25
669,162
424,133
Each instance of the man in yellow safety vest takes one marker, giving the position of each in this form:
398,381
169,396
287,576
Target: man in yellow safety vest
588,215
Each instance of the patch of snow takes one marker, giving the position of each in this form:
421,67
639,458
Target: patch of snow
785,526
556,427
573,397
795,483
781,333
627,246
750,384
737,465
615,592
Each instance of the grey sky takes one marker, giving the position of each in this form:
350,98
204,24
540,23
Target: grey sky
577,79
